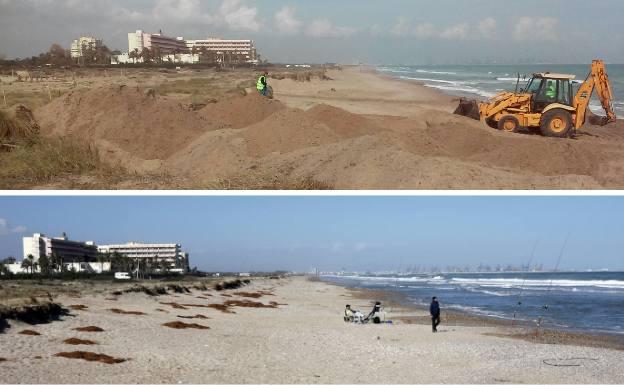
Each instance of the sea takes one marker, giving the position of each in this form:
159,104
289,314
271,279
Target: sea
578,301
484,81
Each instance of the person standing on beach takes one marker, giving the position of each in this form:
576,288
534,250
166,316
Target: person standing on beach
262,85
434,310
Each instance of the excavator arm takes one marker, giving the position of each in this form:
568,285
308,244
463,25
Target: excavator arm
597,80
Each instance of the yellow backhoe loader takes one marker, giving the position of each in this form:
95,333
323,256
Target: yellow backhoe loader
548,103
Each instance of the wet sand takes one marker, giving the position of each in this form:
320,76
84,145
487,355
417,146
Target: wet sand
292,333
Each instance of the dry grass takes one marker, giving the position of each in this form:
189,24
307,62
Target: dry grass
78,341
262,182
301,76
17,127
51,159
32,98
93,357
205,90
90,329
78,307
182,325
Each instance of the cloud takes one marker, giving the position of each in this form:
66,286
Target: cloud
286,22
189,10
540,28
324,28
6,229
487,28
239,17
403,27
425,31
457,32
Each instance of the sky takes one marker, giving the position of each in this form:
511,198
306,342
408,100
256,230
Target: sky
344,31
335,233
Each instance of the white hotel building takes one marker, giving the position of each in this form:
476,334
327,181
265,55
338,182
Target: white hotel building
179,50
82,256
169,252
77,255
222,46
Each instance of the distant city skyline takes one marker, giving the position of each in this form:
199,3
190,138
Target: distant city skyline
348,31
336,233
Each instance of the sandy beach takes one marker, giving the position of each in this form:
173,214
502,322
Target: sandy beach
298,337
346,128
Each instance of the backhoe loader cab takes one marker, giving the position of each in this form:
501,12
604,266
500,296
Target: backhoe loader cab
548,103
546,89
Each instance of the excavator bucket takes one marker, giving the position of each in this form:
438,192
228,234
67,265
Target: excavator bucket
468,108
597,120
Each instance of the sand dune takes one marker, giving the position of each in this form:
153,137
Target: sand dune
334,132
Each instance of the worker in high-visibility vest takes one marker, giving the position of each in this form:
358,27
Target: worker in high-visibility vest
551,91
262,85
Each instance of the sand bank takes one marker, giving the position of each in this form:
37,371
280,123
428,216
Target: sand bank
297,337
358,130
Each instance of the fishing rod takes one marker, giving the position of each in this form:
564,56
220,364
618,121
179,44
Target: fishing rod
524,279
546,306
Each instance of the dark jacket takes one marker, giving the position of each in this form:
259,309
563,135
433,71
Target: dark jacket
434,309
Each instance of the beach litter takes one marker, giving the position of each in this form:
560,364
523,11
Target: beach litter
119,311
90,329
568,362
198,316
258,294
220,307
92,357
174,305
78,341
182,325
29,333
247,303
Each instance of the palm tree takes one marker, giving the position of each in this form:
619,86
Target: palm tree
44,263
101,258
27,263
4,271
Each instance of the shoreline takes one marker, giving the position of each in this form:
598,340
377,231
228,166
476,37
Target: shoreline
289,330
509,328
467,95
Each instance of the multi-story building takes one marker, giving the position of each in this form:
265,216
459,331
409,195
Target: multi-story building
77,255
222,46
81,45
179,50
139,40
83,256
170,252
39,245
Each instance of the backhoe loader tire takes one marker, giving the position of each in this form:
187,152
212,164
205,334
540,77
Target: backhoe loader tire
492,123
509,123
556,123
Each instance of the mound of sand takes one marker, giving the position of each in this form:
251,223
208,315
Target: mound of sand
143,124
239,111
246,135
